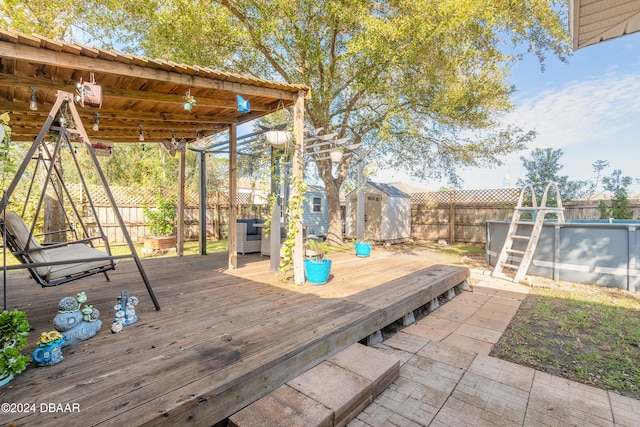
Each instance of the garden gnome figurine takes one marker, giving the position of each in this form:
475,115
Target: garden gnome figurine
76,324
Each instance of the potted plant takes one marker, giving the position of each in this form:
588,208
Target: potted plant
162,221
14,329
317,268
363,247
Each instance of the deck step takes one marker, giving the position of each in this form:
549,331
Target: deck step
329,394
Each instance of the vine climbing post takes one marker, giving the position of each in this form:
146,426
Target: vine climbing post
298,126
233,203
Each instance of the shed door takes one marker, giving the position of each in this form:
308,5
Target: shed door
373,217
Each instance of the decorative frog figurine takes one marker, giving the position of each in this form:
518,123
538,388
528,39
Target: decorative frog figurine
74,323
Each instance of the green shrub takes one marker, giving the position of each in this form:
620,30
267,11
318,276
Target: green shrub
162,219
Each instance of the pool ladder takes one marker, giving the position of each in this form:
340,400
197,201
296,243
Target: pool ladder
526,230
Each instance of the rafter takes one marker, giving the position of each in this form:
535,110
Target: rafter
52,86
96,65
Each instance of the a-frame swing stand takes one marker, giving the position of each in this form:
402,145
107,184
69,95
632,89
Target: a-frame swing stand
66,100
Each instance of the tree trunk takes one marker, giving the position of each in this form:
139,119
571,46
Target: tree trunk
53,207
332,188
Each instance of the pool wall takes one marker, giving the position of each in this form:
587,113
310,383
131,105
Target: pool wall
605,252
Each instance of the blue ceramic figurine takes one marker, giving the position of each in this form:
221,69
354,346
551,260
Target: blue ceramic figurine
125,311
76,324
49,350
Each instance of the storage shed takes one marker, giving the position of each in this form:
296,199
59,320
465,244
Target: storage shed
387,213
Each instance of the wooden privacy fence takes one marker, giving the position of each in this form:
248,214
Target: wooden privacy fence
131,202
454,216
460,216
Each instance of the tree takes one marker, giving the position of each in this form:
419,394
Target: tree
598,167
617,185
544,167
423,84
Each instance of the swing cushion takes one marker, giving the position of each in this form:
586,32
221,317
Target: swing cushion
74,251
18,229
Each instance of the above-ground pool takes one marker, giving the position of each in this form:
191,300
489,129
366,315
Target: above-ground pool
601,252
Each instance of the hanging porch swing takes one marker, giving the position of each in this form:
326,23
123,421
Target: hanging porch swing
75,256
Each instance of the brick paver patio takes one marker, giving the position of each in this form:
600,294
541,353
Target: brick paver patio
447,377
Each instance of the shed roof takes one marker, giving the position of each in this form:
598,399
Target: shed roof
136,91
388,189
595,21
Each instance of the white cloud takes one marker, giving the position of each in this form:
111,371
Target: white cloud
579,112
594,119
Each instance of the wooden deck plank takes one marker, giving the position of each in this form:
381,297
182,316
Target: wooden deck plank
178,365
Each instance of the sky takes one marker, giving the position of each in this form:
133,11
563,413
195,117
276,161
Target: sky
588,107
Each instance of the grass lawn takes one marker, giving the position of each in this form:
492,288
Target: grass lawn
585,333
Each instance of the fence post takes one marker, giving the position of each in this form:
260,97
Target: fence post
452,225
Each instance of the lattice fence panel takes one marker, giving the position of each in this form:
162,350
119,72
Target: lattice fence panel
507,196
130,196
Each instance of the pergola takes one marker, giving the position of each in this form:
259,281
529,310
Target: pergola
595,21
146,95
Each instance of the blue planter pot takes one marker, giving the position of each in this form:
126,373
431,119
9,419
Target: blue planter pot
5,380
317,273
363,249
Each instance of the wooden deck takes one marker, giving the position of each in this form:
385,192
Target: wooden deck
223,338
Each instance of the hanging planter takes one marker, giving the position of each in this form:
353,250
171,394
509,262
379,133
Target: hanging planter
336,156
278,138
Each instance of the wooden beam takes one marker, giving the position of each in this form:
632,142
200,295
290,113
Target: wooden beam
22,109
49,87
233,201
96,65
181,187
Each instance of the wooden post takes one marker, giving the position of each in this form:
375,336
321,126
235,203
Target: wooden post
202,157
360,204
276,212
452,226
233,202
180,231
298,132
